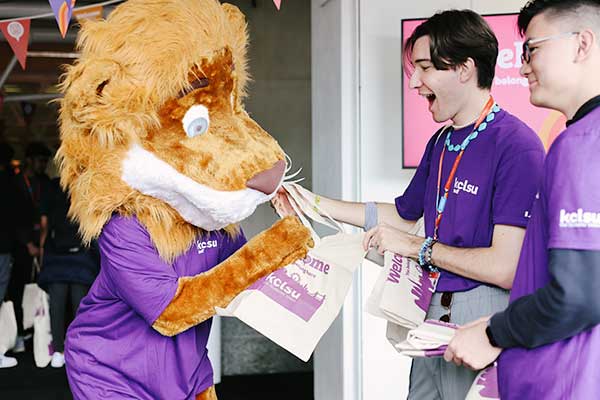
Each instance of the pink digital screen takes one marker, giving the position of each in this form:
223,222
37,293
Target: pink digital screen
510,90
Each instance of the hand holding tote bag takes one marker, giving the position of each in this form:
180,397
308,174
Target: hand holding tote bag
402,293
31,293
295,305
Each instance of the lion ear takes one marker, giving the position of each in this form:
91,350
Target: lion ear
84,85
97,97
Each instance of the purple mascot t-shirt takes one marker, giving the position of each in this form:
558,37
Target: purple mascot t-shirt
495,183
112,351
566,215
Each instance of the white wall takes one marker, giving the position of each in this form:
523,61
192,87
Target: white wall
334,41
376,165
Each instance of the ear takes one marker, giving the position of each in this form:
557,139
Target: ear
101,101
467,70
586,40
84,83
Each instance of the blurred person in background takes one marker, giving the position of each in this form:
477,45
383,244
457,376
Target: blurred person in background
68,267
30,184
7,230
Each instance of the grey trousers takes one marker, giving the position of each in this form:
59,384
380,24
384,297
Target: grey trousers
5,267
434,378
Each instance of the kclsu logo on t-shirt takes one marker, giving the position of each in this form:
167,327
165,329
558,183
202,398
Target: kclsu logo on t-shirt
464,186
206,244
579,219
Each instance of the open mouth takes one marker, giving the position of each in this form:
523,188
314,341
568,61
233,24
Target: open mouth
430,97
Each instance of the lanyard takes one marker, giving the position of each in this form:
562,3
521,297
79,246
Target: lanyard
32,194
441,202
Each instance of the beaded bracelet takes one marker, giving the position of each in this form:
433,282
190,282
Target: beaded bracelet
425,254
429,253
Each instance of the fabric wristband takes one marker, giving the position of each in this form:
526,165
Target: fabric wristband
370,215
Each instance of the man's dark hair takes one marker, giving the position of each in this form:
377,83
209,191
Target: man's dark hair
455,36
554,8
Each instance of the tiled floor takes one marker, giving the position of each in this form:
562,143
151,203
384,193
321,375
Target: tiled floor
27,382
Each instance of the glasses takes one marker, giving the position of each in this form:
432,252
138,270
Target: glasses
526,54
446,301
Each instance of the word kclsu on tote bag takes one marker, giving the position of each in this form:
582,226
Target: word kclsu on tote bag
295,305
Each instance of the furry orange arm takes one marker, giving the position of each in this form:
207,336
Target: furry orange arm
196,297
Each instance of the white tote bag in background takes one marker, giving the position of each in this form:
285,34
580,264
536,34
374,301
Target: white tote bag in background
8,327
31,301
42,334
295,305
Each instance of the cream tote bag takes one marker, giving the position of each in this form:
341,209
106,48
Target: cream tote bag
295,305
402,293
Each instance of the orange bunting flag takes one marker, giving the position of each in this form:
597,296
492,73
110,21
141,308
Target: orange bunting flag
277,4
93,13
17,36
62,11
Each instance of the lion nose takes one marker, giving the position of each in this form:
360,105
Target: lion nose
267,181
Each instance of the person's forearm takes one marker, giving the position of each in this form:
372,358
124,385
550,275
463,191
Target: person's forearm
343,211
387,213
495,264
482,264
353,213
568,305
43,230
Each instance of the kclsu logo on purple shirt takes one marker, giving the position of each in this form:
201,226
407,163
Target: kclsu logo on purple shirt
206,244
579,219
464,186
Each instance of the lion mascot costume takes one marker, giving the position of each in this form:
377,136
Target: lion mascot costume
161,161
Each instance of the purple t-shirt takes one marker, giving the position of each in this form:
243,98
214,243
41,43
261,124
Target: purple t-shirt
495,183
566,215
112,351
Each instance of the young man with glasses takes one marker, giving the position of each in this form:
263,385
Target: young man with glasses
475,239
550,333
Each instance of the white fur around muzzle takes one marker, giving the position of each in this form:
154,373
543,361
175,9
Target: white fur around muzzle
198,204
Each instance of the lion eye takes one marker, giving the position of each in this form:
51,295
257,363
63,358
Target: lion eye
197,127
196,121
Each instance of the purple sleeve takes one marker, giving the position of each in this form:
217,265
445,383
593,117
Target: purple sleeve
410,204
516,183
139,277
232,244
573,194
